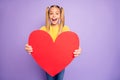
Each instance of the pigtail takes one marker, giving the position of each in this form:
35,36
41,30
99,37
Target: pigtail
47,19
62,20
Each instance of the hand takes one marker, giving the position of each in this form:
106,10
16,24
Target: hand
28,48
77,52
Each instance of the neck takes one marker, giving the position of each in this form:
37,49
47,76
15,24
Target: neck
53,25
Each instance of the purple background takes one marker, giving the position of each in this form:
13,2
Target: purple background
97,22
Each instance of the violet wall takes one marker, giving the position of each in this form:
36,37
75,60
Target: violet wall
97,22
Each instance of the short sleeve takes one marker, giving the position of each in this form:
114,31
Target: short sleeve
43,28
66,28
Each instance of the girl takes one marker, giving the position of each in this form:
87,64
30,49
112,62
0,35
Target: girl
54,26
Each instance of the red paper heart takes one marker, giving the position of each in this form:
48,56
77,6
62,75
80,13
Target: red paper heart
53,57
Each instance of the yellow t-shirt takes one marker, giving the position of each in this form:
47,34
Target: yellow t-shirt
54,31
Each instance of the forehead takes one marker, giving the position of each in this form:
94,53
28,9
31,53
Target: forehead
52,9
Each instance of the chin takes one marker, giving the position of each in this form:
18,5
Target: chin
54,23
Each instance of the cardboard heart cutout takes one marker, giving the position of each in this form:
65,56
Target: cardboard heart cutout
51,56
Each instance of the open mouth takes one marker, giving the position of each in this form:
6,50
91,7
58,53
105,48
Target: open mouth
54,19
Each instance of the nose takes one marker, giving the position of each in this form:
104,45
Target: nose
54,15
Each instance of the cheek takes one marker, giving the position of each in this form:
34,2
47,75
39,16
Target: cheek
50,16
58,16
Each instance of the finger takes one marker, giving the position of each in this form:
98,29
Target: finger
28,48
76,52
27,45
76,55
29,51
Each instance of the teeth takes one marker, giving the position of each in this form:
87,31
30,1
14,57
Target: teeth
54,19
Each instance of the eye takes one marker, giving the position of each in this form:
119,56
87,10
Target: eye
51,13
57,13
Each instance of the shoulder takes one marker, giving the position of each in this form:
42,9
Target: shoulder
66,28
43,28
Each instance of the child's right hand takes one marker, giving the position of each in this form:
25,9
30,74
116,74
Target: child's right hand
28,48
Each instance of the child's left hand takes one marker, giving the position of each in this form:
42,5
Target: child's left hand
77,52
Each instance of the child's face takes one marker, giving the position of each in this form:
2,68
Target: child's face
54,15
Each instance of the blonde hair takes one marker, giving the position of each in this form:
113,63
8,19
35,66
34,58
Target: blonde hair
62,18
